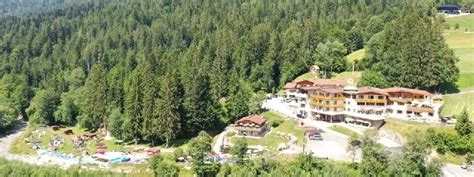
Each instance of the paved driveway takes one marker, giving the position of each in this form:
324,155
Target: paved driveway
451,170
333,146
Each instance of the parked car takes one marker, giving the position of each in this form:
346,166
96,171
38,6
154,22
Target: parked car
316,137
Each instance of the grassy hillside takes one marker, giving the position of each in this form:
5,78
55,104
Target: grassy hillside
307,76
453,104
462,43
356,55
465,22
356,76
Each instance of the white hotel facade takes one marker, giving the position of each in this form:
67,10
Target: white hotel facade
336,101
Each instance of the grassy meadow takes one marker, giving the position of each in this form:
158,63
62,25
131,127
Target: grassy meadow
462,42
356,55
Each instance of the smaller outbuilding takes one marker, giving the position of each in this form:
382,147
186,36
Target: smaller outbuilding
449,9
253,125
314,69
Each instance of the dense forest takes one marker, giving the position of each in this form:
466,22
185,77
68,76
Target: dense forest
32,7
153,71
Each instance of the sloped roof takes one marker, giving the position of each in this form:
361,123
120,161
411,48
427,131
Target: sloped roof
257,119
407,90
290,85
328,82
365,90
324,89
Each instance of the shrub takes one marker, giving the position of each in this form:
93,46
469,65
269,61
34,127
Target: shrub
447,26
276,123
178,152
230,134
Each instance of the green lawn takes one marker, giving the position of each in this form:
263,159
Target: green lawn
453,104
272,140
272,116
344,130
463,46
356,55
306,76
450,157
356,76
463,21
405,128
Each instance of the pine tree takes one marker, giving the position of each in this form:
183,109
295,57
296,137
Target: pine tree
270,64
134,104
238,102
94,101
169,108
463,125
149,89
202,110
222,62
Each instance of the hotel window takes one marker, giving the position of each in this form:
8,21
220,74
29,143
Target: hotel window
399,112
430,114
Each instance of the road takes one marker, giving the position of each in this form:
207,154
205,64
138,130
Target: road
451,170
7,139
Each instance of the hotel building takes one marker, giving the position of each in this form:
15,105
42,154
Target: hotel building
337,101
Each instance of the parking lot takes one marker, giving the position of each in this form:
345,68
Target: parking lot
333,145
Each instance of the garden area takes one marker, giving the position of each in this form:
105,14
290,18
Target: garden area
406,128
450,145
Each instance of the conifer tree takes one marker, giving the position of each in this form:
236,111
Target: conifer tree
463,125
134,104
94,101
169,108
149,89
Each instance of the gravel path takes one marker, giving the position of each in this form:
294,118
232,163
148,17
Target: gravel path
7,139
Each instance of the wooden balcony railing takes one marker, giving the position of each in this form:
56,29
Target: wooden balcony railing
319,97
371,100
317,104
420,109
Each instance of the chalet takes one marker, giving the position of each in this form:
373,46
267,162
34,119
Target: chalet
253,125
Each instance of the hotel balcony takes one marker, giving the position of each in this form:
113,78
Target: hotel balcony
370,100
420,109
317,104
320,97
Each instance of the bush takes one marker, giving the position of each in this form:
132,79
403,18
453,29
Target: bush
456,26
446,26
178,152
276,123
230,134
